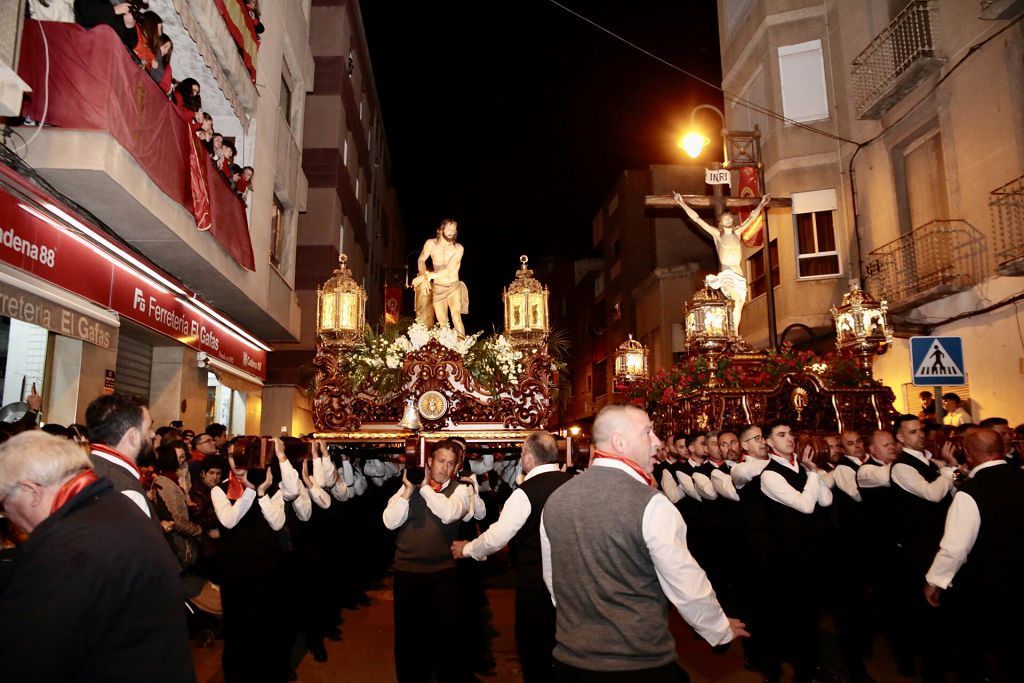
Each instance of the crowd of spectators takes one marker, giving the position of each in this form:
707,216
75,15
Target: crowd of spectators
142,32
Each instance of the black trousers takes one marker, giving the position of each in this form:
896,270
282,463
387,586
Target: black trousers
257,642
670,673
535,634
426,624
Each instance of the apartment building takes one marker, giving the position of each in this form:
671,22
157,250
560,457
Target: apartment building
186,285
912,183
351,207
649,264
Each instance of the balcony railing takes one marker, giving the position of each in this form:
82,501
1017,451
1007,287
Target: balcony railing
931,262
896,61
1006,207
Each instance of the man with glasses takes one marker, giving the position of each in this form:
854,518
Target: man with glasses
94,594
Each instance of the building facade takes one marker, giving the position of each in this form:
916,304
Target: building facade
647,267
911,182
351,206
196,283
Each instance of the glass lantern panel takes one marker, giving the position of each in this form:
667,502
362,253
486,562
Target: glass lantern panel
634,363
536,311
347,310
517,312
714,321
328,310
845,327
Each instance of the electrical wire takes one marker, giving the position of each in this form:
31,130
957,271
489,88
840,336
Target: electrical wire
736,99
728,96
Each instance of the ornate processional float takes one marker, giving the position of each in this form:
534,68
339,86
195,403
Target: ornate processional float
387,394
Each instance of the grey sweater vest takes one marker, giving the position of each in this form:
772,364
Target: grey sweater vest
424,543
611,612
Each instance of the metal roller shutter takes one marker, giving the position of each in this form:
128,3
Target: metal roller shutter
134,365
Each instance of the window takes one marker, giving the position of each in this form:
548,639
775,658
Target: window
802,75
813,220
344,153
286,100
922,191
755,270
277,228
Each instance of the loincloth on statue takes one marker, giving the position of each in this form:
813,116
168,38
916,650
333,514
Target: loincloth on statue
732,284
441,293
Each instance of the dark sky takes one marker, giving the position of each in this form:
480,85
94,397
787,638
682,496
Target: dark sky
515,117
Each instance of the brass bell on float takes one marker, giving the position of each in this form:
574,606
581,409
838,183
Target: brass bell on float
410,418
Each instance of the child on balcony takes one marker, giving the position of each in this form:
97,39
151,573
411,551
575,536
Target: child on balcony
227,157
162,74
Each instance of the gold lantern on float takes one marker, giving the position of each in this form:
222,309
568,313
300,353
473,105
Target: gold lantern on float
526,309
341,309
709,328
708,321
630,362
862,326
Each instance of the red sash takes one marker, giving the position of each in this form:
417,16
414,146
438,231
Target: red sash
71,488
117,455
629,463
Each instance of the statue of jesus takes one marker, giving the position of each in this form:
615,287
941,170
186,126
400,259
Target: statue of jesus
440,286
730,254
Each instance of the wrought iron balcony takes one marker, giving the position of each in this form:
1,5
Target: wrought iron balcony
895,62
1006,207
931,262
1000,9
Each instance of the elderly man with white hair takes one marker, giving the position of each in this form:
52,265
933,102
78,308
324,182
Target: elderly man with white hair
94,594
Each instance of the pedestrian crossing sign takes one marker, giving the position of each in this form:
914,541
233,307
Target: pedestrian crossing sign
937,361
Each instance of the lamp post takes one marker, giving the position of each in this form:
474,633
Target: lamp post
740,149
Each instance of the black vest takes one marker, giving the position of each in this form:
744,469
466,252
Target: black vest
252,548
123,480
659,469
793,529
994,562
525,545
917,523
424,543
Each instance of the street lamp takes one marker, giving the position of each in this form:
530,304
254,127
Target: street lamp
695,141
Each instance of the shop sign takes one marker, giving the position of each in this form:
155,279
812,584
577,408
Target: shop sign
32,243
34,309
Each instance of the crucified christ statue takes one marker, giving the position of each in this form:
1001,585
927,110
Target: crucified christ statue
730,254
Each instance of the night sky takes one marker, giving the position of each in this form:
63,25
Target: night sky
515,117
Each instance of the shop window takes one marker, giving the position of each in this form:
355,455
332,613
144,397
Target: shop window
23,356
225,405
755,270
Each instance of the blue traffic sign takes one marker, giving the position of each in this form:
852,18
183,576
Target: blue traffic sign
937,361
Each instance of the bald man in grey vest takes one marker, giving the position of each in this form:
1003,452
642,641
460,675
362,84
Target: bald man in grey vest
614,553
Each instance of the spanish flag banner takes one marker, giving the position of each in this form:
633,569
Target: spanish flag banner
242,30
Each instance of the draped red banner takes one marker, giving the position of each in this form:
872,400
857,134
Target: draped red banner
95,85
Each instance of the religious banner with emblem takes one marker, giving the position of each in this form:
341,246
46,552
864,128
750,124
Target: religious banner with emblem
753,234
392,304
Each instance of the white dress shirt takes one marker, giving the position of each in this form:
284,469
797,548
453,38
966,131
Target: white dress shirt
446,508
229,513
722,482
670,485
775,486
683,581
302,505
133,496
963,522
846,479
743,472
290,483
957,417
513,516
688,487
873,474
911,481
702,483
